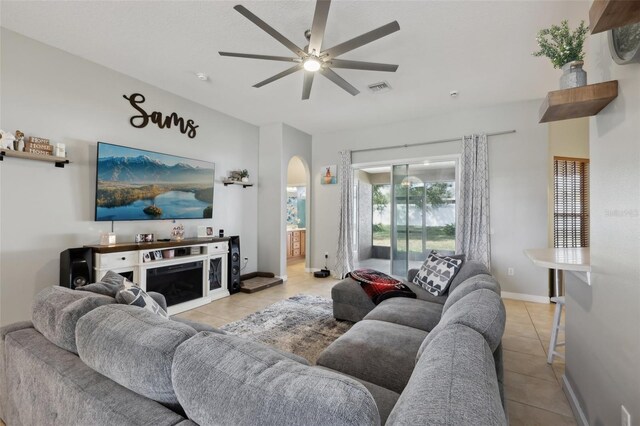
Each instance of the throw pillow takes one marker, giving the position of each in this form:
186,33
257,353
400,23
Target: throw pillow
131,294
437,272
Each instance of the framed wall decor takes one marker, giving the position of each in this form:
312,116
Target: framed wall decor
328,175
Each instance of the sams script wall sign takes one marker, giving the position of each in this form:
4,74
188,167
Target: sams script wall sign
186,127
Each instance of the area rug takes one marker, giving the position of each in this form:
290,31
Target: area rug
303,325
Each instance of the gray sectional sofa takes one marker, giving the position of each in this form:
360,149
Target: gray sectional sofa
388,343
85,360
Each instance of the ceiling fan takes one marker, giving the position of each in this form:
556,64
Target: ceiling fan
312,58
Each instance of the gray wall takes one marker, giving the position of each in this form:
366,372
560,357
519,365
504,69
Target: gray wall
49,93
518,173
602,324
278,144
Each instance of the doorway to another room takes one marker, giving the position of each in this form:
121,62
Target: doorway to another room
403,212
296,220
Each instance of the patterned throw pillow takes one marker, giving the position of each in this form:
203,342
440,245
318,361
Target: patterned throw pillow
437,272
131,294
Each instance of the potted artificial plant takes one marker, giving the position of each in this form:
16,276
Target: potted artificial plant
565,49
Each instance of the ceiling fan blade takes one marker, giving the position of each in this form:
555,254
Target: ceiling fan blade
306,85
318,25
270,30
361,40
266,57
359,65
331,75
279,75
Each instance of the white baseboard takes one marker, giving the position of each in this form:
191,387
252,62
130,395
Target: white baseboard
573,402
284,278
525,297
311,269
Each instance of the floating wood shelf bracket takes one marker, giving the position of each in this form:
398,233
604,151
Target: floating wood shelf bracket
608,14
578,102
235,182
58,161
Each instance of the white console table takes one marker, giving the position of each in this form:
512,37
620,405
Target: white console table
190,273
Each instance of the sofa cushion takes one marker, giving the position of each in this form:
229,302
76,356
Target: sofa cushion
414,313
454,383
379,352
197,326
469,269
481,310
471,284
56,310
227,380
350,302
109,285
436,273
133,347
52,386
385,399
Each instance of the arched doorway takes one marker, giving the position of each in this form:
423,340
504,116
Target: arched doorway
297,216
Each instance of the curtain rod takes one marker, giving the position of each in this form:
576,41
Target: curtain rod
407,145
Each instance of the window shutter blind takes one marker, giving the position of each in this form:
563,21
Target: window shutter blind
571,202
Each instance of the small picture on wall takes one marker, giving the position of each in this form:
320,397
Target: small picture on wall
328,175
209,231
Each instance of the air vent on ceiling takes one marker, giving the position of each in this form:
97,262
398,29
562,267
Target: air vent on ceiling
380,87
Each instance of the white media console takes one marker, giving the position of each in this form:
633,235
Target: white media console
189,273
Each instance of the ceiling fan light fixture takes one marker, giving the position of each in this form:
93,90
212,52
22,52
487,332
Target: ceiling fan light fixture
311,64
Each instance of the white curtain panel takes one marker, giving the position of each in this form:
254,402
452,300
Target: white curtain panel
344,254
472,224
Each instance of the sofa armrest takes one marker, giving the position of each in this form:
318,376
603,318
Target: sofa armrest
411,274
159,298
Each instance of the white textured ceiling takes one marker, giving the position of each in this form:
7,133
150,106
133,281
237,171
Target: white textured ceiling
480,48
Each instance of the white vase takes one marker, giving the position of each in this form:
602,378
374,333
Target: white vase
245,179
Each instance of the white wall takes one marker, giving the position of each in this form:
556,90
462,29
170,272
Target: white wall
603,337
296,173
49,93
518,173
278,144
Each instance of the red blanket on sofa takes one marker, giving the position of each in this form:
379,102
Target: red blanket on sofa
380,286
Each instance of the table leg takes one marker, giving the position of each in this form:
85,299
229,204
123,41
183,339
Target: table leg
558,289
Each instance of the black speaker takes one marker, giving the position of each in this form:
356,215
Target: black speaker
233,271
76,267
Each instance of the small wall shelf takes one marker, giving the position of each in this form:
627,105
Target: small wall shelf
59,161
235,182
578,102
607,14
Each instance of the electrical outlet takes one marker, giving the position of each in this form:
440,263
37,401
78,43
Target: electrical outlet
246,259
326,254
625,417
510,271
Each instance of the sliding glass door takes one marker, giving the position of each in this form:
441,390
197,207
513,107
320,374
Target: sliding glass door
399,220
423,213
404,212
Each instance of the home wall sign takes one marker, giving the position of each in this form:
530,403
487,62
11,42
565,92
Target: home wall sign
186,127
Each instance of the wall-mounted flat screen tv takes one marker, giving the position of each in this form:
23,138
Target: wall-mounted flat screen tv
135,184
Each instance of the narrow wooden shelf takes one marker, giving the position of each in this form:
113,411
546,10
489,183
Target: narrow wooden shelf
235,182
59,161
607,14
578,102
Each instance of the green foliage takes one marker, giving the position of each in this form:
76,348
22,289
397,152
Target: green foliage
561,45
380,199
437,194
153,210
449,229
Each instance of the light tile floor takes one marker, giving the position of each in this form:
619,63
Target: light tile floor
532,386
